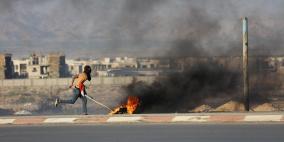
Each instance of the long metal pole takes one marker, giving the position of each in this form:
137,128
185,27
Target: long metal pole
99,103
245,63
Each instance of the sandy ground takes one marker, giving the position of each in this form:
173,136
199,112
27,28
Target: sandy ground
40,101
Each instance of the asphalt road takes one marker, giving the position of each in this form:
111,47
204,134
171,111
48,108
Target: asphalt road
145,133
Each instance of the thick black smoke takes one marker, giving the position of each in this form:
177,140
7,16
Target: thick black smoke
199,34
180,92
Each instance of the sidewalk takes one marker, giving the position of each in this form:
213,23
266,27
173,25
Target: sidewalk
146,118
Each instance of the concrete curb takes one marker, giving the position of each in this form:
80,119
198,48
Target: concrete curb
151,118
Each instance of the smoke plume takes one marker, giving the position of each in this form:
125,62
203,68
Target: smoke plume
139,28
182,91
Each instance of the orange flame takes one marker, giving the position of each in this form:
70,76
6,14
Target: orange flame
132,104
129,107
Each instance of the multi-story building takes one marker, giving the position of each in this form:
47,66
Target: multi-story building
57,66
6,66
147,63
20,68
75,66
37,66
124,62
40,66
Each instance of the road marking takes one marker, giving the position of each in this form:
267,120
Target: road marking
190,119
124,119
6,121
263,118
59,120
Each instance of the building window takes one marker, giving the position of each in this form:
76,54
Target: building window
16,67
23,67
34,70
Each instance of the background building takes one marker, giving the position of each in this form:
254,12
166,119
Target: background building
21,68
6,66
57,66
37,66
74,66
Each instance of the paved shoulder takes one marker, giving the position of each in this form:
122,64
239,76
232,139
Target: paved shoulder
147,118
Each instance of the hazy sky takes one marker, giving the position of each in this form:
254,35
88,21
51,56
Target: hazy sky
95,28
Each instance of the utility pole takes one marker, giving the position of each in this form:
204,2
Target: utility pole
245,63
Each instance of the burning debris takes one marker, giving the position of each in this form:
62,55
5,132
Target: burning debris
129,108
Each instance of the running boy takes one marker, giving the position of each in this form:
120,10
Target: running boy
79,90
